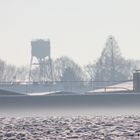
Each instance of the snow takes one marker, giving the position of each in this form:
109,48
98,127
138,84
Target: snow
70,128
42,93
125,86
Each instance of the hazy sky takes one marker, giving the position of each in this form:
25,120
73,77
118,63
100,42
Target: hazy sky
76,28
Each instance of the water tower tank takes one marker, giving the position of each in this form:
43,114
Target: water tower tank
40,48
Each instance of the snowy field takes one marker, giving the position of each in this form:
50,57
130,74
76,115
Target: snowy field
41,89
70,128
124,86
104,116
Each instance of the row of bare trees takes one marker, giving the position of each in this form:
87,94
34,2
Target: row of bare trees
11,73
110,66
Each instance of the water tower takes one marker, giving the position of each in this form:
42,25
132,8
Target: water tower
41,57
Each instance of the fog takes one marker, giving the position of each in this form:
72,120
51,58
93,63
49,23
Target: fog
70,105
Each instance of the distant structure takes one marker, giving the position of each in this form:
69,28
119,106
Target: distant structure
136,81
40,49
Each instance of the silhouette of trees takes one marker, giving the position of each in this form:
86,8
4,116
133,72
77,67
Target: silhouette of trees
22,73
111,66
70,74
66,69
9,73
89,71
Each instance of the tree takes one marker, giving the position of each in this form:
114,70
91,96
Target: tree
69,74
22,73
9,73
110,65
49,70
89,70
64,64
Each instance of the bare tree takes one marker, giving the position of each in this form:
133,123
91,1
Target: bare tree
9,74
110,65
22,73
64,64
90,72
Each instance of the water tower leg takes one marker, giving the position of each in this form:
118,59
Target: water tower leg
30,68
51,67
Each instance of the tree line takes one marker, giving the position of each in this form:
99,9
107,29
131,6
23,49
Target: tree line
110,66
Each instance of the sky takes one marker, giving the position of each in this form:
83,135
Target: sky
76,28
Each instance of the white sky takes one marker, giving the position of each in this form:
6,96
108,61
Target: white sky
76,28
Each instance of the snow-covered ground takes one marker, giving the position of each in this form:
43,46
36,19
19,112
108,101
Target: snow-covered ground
70,128
41,93
43,89
125,86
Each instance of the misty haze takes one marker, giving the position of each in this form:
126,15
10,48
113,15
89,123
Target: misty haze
69,70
